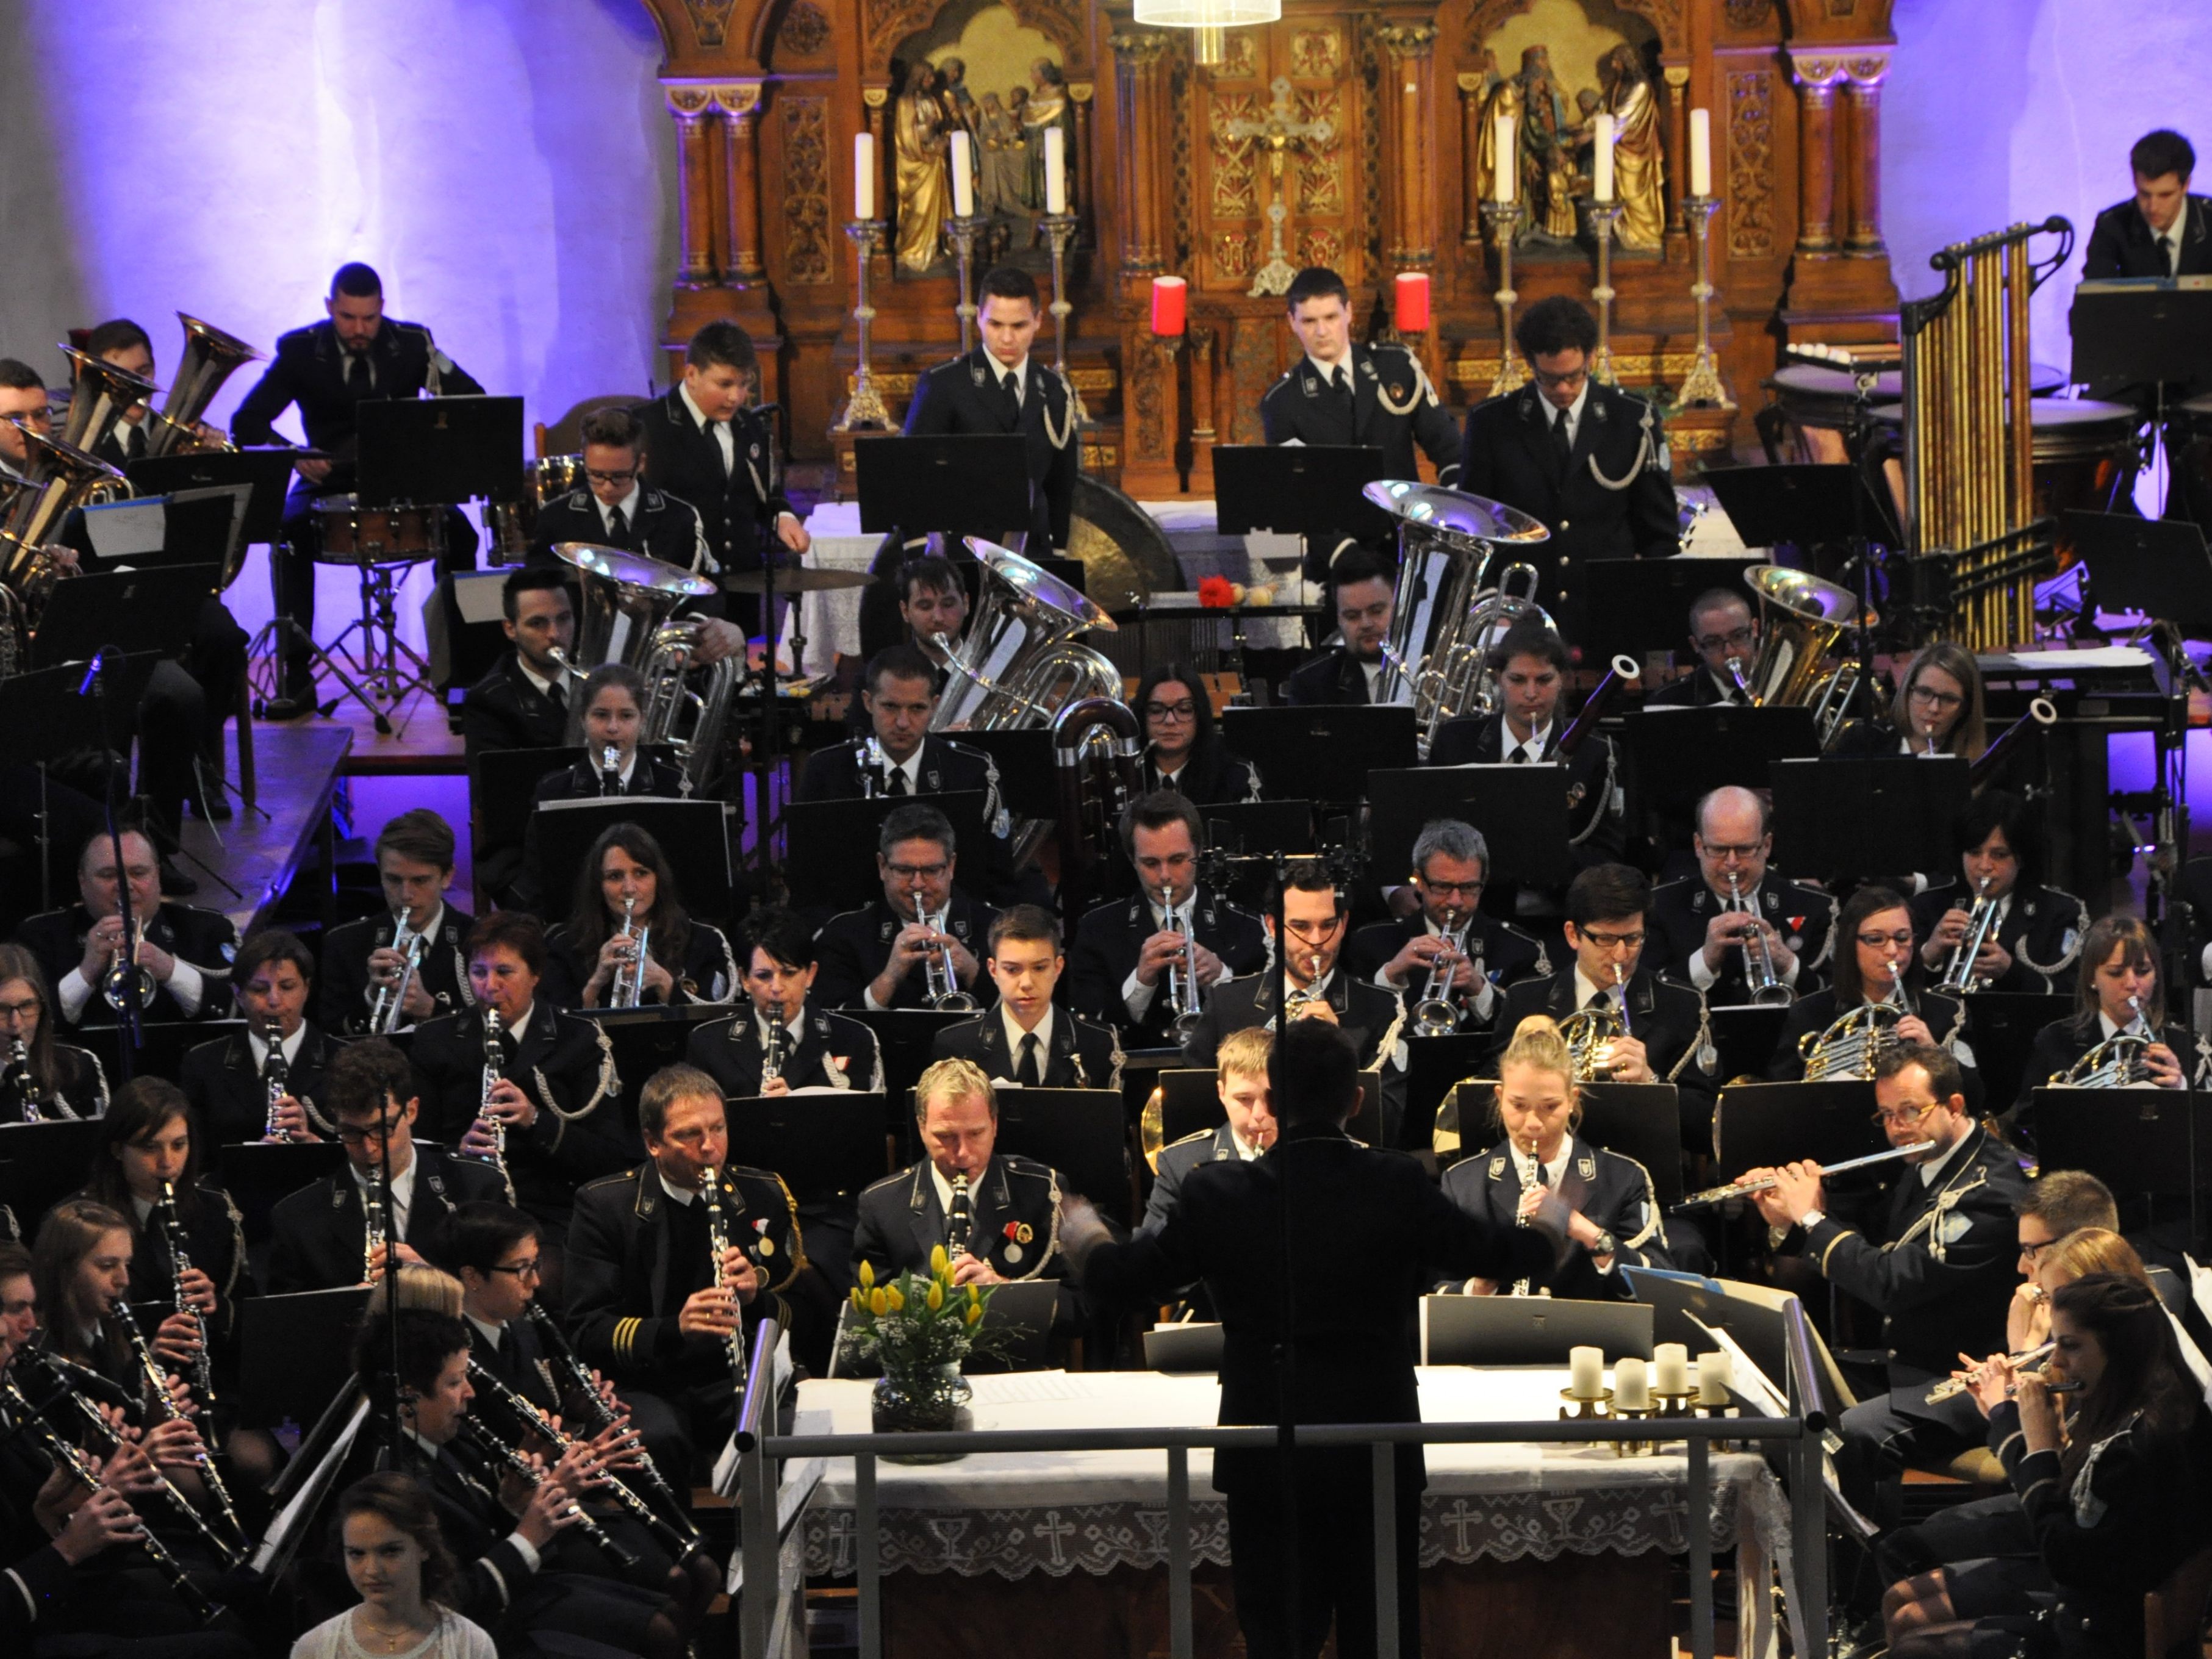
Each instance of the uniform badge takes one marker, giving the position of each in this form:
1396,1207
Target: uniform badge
1024,1232
1586,1168
2066,945
767,1245
1013,1254
1497,1169
1954,1227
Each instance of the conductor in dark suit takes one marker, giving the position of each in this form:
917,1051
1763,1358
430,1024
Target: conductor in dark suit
617,507
523,701
1589,460
1000,387
1348,1352
1348,672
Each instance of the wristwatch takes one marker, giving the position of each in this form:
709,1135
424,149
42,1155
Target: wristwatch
1607,1244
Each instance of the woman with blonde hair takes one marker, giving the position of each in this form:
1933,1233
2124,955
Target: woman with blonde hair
1615,1214
2116,987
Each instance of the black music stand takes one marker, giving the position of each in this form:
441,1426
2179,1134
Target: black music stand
2005,1025
825,1144
2134,1140
1521,812
1758,1124
1433,1065
1642,608
973,484
150,532
690,833
1848,817
1322,753
1686,1308
1528,1330
831,859
645,1039
1679,755
1642,1121
1800,504
1081,1132
1314,491
2159,567
266,473
42,1164
1029,782
2144,331
1745,1037
907,1037
162,1043
47,716
260,1174
439,450
127,611
298,1353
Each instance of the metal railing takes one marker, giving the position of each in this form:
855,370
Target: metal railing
1797,1435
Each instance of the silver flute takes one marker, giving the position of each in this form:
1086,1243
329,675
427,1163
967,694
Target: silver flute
2030,1359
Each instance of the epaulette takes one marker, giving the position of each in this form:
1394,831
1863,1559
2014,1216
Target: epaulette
888,1181
1195,1134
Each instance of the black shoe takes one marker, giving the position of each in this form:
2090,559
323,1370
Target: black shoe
289,706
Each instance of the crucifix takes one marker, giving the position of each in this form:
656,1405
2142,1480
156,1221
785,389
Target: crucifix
1279,132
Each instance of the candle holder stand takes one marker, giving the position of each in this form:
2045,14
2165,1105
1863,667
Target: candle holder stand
1588,1407
863,407
1603,216
1505,219
1634,1414
1059,231
1727,1411
1672,1405
1703,384
962,230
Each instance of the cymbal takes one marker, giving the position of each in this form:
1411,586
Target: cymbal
806,579
1456,512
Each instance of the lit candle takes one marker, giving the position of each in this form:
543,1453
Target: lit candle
1413,307
1055,170
963,178
1716,1372
1632,1385
1601,168
1170,297
1670,1367
1701,152
1508,159
863,175
1585,1372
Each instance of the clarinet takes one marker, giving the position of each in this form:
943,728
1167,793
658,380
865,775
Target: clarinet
493,1446
602,1414
172,1233
66,1456
718,1237
22,1085
374,1239
494,1073
165,1404
275,1077
961,1222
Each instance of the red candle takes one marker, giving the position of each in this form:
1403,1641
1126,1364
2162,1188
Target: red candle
1413,301
1171,303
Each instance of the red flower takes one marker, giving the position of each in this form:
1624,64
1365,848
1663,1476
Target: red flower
1216,593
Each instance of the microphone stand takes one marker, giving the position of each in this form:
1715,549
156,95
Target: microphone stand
131,1016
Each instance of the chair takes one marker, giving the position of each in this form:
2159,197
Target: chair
2174,1613
566,435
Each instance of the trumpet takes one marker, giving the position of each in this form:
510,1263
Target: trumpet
384,1014
494,1073
1767,990
23,1083
2032,1360
940,978
115,984
1959,976
1436,1014
630,977
165,1404
2115,1063
602,1414
1303,997
275,1077
501,1452
180,1263
1767,1183
718,1242
1184,995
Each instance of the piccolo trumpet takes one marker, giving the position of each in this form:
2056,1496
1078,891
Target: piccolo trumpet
2031,1359
1766,1183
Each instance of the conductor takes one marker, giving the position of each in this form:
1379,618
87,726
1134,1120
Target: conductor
1350,1357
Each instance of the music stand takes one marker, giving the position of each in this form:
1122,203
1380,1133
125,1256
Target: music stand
828,1144
1528,1330
1746,1036
645,1039
148,609
1800,504
266,475
1190,1348
1642,1121
48,715
2157,566
190,527
162,1043
1678,756
1686,1308
2134,1140
1642,608
1082,1132
2140,330
1521,812
422,450
690,832
1029,781
42,1164
1322,753
831,857
298,1353
260,1174
2005,1025
1433,1065
907,1038
1848,817
972,484
1762,1125
1314,491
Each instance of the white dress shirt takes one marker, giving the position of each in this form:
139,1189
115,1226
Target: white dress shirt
1015,1034
403,1191
185,984
721,429
290,1045
1534,746
1574,413
627,505
1705,978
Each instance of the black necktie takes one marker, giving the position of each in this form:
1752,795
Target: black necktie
2173,254
1601,999
1026,1071
1563,445
558,692
714,431
1010,399
1519,756
135,448
617,526
897,786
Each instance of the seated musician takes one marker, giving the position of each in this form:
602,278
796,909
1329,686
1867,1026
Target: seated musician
51,1077
1132,955
1703,926
1452,862
1182,745
1932,1254
933,606
885,954
522,702
322,1231
616,507
228,1081
1613,1211
1875,966
1937,709
362,963
1248,1127
818,1049
996,1214
649,1303
1026,1039
24,399
329,370
492,1249
558,1101
183,953
2038,930
1589,460
1342,394
1664,1036
1349,671
900,756
2117,988
1725,634
612,766
625,885
2163,230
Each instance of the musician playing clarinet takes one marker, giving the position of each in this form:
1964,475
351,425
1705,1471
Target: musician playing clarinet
246,1087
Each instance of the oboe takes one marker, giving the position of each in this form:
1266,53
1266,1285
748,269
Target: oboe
275,1077
512,1457
602,1414
172,1233
165,1404
494,1073
718,1237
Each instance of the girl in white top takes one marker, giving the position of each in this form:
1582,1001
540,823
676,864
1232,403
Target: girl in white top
388,1538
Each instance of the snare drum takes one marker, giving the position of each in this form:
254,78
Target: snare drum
354,534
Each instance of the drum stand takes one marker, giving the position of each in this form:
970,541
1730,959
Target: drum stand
383,655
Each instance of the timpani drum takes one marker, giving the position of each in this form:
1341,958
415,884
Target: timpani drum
2085,458
1817,401
354,534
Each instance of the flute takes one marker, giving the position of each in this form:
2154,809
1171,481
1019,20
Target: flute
1766,1183
2030,1359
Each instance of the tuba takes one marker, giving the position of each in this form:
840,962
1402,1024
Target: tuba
58,477
99,392
210,357
1019,664
1095,746
1802,620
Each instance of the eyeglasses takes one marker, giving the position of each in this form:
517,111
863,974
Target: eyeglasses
1928,694
917,871
1572,377
1447,890
23,1010
611,478
530,1269
1902,1120
1742,638
353,1134
1741,850
1875,941
1613,941
1170,711
2034,1250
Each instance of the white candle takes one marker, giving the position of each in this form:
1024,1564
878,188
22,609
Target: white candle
1716,1372
1601,167
1670,1367
1055,170
1508,159
1585,1372
1631,1384
1701,152
863,175
963,178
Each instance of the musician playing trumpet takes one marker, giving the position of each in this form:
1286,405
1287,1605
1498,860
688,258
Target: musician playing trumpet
626,895
364,965
1451,865
1738,930
182,953
888,953
2029,933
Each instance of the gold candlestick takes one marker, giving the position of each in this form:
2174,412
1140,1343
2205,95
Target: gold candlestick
963,229
1703,384
1060,230
864,405
1634,1448
1588,1407
1672,1405
1505,219
1603,216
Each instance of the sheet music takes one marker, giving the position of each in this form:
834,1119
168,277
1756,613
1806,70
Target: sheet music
1031,1388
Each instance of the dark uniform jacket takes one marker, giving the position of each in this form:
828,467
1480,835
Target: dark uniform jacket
709,972
504,710
309,370
320,1230
2121,243
205,938
225,1087
1213,776
962,395
855,947
566,1068
520,1361
1596,815
737,507
1111,937
583,781
623,1296
80,1087
1614,499
495,1585
215,1243
2042,928
1934,1259
1215,1145
1016,1227
1331,680
2058,1045
347,996
1682,911
948,767
657,523
1497,949
1946,1018
834,1052
1083,1055
1696,690
1667,1018
1370,1016
1613,1191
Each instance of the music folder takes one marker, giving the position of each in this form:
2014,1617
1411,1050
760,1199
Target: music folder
1521,812
2157,568
266,474
1844,816
1642,1121
2134,1140
1320,753
42,1164
1190,1102
1678,756
426,451
825,1143
690,832
1759,1125
969,484
297,1352
1314,491
129,610
1081,1132
1642,608
1528,1330
2143,331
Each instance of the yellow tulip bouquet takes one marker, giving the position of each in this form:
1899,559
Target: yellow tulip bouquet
919,1328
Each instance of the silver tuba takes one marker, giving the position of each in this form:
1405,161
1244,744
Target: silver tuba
1019,664
210,358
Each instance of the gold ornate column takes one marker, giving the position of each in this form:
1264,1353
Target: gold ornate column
692,105
1142,113
1816,79
1410,50
1082,93
1677,142
1863,89
740,104
1470,145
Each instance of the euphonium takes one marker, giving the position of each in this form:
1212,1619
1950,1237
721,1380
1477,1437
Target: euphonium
115,981
99,393
59,478
210,357
2115,1063
1767,990
717,1240
384,1014
1096,751
1436,1014
1801,619
1856,1040
1018,664
1959,976
629,977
